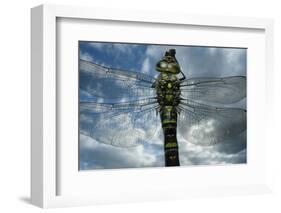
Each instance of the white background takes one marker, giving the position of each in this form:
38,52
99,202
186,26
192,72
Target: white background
15,104
94,183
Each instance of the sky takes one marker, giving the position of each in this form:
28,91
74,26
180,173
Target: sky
195,61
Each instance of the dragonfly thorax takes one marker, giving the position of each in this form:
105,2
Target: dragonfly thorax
168,90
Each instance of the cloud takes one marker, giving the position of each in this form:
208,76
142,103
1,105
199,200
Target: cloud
231,151
202,61
146,66
94,155
97,45
86,56
211,62
155,52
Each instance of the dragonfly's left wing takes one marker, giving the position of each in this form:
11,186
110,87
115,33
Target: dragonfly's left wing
122,124
207,125
108,83
225,90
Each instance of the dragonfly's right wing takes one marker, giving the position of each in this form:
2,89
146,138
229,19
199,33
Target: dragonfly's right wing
107,83
207,125
122,124
225,90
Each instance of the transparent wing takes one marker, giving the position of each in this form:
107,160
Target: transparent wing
218,90
206,125
107,83
120,124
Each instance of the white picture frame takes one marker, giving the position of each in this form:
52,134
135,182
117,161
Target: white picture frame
45,167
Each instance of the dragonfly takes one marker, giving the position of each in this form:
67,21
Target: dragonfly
125,108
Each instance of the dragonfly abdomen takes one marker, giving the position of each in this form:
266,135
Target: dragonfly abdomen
168,96
169,124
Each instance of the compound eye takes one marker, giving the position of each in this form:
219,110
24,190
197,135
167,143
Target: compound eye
163,64
171,65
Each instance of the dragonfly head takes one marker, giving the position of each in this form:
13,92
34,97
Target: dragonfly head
169,63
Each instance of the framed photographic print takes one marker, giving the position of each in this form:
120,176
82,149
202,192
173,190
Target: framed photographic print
124,98
153,113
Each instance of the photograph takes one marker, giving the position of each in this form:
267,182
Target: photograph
161,105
